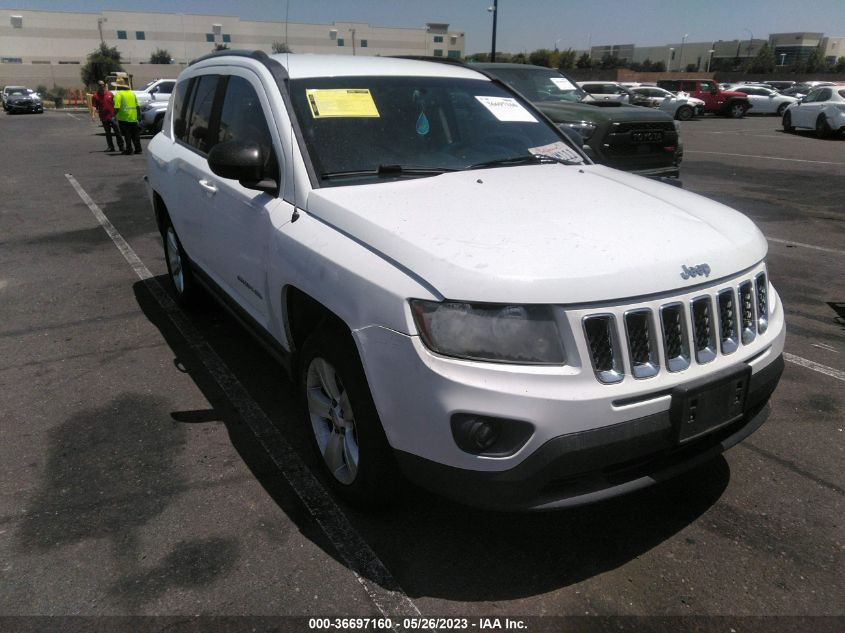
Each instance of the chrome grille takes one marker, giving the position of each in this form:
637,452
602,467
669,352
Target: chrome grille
746,312
728,338
718,321
602,341
642,348
675,336
762,287
703,330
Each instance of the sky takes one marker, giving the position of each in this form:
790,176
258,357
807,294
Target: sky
523,25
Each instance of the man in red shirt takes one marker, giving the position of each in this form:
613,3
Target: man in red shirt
103,103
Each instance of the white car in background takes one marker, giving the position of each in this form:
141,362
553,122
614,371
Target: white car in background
766,100
823,110
605,91
680,107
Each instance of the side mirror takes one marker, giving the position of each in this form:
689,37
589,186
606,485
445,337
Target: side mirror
713,91
241,161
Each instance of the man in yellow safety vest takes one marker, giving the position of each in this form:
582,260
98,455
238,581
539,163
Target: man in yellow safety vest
126,108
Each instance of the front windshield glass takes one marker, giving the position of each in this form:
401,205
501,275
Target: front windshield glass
540,85
395,127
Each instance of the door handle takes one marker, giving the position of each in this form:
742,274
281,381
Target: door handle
209,186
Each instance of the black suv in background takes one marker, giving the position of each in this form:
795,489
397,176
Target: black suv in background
641,140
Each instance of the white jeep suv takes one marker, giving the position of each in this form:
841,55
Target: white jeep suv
460,296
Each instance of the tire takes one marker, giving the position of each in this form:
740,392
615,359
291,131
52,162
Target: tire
343,424
737,110
157,124
782,108
822,127
787,123
182,282
684,113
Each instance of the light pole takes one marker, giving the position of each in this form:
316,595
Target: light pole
669,59
100,29
352,32
556,42
710,58
783,59
495,11
681,56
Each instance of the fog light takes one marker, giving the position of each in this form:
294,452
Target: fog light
492,437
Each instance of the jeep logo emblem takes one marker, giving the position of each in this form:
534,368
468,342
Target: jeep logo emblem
695,271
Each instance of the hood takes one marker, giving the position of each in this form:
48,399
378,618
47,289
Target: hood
543,233
566,112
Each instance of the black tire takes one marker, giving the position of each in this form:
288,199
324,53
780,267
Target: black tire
737,110
822,128
684,113
782,108
182,282
787,123
331,378
157,124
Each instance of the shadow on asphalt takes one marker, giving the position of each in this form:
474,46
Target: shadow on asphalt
432,546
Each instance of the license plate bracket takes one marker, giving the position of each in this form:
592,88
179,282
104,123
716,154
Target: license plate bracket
703,406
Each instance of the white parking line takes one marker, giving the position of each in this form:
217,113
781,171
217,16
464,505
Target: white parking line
791,160
379,584
803,245
809,364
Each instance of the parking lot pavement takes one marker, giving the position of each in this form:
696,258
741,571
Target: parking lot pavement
134,482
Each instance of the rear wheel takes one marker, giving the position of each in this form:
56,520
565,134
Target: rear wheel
178,268
737,110
822,127
684,113
344,425
787,123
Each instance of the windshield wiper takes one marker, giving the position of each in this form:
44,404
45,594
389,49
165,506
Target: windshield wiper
523,159
388,170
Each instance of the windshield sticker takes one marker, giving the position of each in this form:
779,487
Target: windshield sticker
562,83
506,109
346,102
558,150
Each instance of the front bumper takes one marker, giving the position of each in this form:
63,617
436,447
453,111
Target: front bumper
27,107
587,467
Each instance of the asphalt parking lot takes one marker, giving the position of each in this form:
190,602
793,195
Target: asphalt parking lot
152,462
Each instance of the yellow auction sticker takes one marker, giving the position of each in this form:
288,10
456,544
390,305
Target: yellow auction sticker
345,102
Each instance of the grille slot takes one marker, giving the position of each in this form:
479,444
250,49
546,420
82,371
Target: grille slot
642,348
762,287
675,339
704,330
600,331
746,312
728,338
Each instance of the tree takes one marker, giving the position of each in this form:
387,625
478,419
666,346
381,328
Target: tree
160,56
541,57
221,47
519,58
609,62
101,63
584,61
566,59
840,65
281,47
764,61
815,62
658,67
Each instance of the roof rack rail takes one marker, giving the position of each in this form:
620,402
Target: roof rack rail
237,52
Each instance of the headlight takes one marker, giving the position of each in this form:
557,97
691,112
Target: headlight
146,107
585,128
490,332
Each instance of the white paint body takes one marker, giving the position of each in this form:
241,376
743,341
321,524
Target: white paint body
806,113
584,239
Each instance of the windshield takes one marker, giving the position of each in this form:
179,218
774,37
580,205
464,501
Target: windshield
540,85
377,127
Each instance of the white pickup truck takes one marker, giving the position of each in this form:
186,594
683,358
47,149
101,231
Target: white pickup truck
460,296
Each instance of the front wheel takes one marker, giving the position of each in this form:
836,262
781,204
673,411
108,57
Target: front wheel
684,113
782,108
822,127
737,110
345,428
787,123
